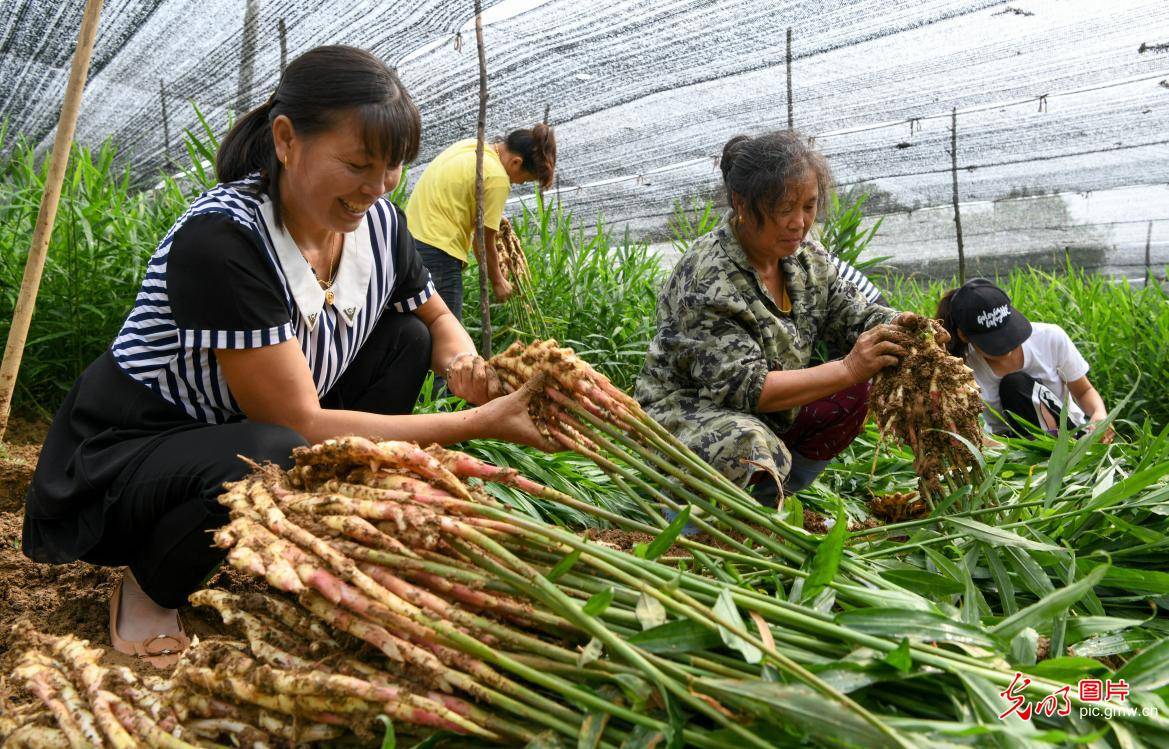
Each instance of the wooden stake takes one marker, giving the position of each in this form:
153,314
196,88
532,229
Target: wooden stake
283,31
791,120
548,111
957,215
480,237
43,230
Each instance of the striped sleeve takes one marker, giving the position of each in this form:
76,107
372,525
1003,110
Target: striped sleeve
235,339
857,279
223,290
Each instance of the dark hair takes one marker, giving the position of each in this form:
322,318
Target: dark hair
956,346
537,147
316,89
758,169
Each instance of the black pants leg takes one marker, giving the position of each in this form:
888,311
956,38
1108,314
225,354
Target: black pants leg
387,374
1025,399
162,521
447,274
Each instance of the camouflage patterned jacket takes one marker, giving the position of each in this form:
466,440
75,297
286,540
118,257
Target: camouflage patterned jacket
720,332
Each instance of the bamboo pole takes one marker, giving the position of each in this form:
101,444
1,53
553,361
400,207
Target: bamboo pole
43,230
957,215
480,238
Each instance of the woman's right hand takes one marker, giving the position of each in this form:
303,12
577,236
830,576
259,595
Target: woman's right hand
872,352
502,289
507,418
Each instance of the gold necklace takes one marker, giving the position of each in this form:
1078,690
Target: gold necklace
327,286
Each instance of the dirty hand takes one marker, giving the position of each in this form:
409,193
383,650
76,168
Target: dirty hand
501,287
509,419
872,352
471,378
940,332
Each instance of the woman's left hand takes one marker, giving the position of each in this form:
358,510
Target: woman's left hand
471,378
940,332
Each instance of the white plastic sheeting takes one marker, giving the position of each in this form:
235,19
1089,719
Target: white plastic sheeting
1063,105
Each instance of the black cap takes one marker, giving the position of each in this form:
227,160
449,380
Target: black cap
983,313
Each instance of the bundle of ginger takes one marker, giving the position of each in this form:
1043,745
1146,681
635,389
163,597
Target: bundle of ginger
924,401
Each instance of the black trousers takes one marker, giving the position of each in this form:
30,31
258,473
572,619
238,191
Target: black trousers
1027,403
162,522
447,274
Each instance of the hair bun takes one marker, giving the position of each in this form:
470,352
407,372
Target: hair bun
730,151
544,140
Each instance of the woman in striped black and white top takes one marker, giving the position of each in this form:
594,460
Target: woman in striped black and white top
287,305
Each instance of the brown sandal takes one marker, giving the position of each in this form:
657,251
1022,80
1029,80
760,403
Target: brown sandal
160,651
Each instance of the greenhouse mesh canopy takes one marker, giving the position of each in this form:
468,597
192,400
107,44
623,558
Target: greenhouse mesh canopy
1062,105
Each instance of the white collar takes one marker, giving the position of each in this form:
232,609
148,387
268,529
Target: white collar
351,284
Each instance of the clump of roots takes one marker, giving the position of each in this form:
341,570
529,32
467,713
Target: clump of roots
924,401
523,306
898,507
513,263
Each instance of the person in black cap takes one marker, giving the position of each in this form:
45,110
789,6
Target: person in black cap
1025,370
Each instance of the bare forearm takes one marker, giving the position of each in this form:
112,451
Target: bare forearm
787,389
425,429
448,338
1093,405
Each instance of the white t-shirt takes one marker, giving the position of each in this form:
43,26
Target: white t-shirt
1049,356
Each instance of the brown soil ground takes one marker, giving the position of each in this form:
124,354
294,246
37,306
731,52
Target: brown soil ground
66,598
16,466
58,599
74,599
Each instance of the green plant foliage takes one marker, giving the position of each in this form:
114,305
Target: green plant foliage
104,233
597,292
842,233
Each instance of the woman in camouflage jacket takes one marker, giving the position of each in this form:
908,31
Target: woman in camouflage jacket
739,320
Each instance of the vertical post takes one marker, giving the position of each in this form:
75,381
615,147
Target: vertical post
547,112
791,120
247,56
43,231
165,118
1149,255
283,31
480,236
957,214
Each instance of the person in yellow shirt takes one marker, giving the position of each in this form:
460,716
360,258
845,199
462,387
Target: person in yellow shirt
441,211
